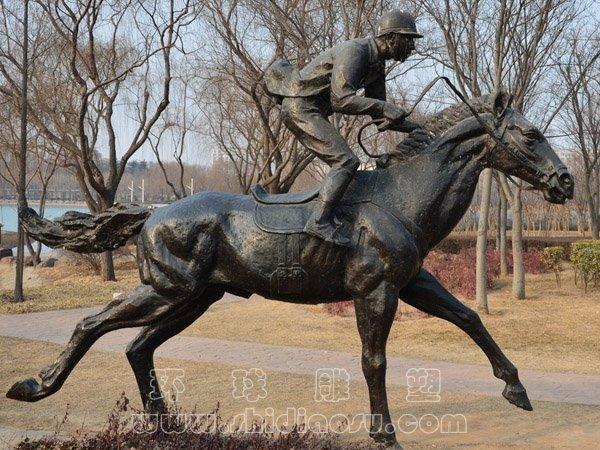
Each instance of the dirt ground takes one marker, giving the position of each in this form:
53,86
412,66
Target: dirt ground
31,277
100,378
64,286
554,329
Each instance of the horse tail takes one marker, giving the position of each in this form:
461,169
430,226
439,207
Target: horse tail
86,233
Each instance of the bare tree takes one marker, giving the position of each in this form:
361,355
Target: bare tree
510,42
102,51
173,133
40,166
482,237
581,118
21,184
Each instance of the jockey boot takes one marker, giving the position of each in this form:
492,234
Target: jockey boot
321,225
322,222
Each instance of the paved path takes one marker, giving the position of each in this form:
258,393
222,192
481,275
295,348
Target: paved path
57,326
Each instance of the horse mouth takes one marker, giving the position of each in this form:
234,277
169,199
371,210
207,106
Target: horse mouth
553,195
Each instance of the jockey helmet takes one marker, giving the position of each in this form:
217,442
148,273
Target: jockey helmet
399,22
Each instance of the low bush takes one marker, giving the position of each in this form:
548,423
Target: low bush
88,261
533,261
541,242
93,261
552,257
585,256
457,242
456,271
344,308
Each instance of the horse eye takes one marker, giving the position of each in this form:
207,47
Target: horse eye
531,135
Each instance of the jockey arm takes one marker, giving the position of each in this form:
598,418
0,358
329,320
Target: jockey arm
349,71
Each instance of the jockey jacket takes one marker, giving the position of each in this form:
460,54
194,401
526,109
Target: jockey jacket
337,74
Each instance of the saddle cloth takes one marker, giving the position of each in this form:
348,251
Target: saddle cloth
288,213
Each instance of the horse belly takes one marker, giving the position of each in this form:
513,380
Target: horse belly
294,268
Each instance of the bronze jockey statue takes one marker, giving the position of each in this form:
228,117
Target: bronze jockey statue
328,84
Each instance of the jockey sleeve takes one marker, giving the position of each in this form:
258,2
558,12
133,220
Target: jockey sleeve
354,69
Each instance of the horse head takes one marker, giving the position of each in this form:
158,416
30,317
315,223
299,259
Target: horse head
523,151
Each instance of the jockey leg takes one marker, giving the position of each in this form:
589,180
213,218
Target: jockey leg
305,118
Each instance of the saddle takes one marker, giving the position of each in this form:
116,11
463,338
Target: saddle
288,213
295,198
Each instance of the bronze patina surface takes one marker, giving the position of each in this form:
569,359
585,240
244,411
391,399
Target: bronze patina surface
194,250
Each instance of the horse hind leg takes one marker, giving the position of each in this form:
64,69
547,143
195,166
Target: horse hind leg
144,306
141,350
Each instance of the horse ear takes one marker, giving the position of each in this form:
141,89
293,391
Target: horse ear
502,101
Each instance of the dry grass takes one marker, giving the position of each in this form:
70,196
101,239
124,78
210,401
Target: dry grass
9,239
90,393
66,286
553,329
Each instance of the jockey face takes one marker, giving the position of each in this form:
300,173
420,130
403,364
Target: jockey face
401,47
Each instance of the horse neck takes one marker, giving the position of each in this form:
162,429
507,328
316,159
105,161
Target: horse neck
436,199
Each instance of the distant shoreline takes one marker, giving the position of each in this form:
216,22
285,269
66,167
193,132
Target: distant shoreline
11,202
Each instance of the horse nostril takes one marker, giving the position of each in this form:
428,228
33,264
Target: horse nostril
566,180
566,184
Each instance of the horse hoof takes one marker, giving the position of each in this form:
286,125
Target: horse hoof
28,390
517,395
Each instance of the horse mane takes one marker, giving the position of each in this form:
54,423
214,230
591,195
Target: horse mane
442,121
432,127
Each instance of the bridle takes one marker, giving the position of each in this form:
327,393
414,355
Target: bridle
497,133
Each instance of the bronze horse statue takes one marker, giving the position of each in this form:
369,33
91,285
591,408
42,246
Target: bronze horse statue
194,250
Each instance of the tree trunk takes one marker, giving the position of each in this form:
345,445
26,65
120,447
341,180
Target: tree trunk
517,246
502,226
35,260
593,213
20,262
22,183
108,267
481,270
498,220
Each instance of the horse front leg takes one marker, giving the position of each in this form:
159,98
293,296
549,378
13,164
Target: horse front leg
427,294
374,316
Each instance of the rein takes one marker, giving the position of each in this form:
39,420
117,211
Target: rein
496,134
